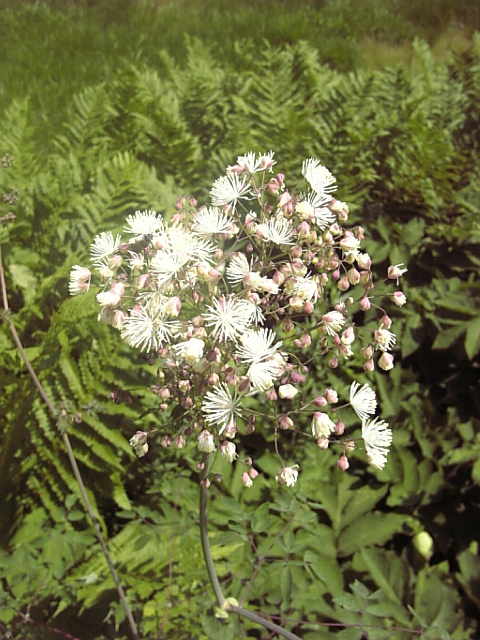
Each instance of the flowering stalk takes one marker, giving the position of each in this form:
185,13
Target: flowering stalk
242,300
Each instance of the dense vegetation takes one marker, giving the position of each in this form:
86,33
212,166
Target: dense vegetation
106,112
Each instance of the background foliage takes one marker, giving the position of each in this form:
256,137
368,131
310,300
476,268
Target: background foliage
108,111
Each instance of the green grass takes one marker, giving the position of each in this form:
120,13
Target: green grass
51,49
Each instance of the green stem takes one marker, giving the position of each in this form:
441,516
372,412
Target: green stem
204,534
254,617
71,457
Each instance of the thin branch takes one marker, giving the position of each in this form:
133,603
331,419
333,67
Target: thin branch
73,462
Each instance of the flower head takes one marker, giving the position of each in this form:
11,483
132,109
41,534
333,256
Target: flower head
79,280
210,221
143,223
277,230
104,245
139,443
287,476
363,400
229,317
220,407
322,425
228,189
377,437
319,177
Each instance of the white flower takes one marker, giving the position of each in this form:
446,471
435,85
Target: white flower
277,230
287,391
257,346
377,437
228,189
143,223
238,268
312,207
206,443
399,298
191,350
220,407
79,280
229,317
349,245
103,246
384,339
263,374
179,248
333,321
302,287
252,164
363,400
139,443
287,476
322,425
136,261
318,176
228,451
209,221
266,362
147,329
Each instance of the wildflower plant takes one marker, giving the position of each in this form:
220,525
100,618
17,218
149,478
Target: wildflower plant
235,300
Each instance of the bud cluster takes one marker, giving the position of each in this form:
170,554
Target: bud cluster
236,299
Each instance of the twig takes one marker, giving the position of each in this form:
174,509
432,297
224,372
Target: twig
73,462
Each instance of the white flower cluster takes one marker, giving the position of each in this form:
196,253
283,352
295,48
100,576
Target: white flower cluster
234,297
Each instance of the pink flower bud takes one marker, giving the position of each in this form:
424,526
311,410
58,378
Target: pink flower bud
253,473
320,401
353,276
284,422
333,363
271,395
178,442
365,304
273,186
369,366
343,284
385,322
287,391
395,271
399,298
331,396
280,177
231,430
367,352
342,463
339,428
385,361
323,443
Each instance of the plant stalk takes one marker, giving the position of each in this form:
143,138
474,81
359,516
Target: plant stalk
71,457
254,617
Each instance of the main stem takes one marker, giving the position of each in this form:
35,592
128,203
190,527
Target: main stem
254,617
71,457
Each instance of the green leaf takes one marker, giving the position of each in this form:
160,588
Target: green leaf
472,338
349,602
447,337
261,518
371,529
286,584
